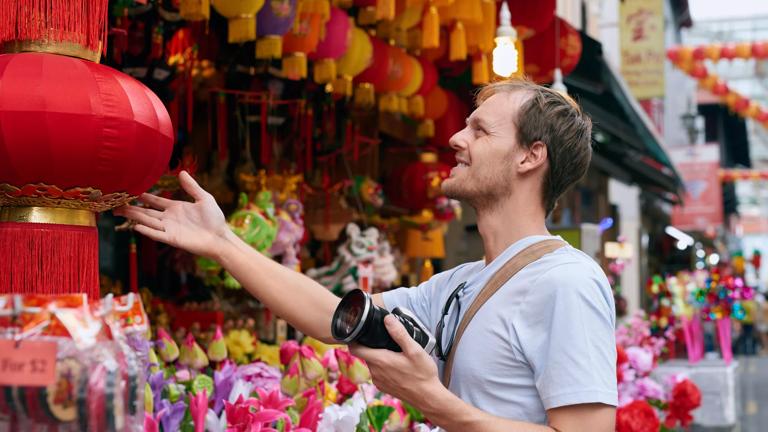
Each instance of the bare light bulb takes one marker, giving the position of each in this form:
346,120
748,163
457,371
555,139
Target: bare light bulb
505,53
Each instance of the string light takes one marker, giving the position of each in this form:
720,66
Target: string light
505,54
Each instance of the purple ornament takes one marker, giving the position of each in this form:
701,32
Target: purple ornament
275,18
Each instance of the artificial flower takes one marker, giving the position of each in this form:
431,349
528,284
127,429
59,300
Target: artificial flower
214,423
353,367
311,368
223,380
166,346
685,397
240,388
174,414
157,382
291,381
638,416
198,408
288,352
641,359
260,375
217,349
240,344
269,354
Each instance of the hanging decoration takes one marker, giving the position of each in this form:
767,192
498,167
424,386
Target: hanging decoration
734,174
195,10
331,47
691,61
273,21
241,17
70,150
540,64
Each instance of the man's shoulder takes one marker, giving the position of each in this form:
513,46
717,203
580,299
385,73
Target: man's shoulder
569,268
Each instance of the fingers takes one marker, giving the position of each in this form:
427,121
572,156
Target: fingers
142,216
395,328
191,187
152,233
155,201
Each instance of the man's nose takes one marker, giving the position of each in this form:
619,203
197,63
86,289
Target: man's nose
457,141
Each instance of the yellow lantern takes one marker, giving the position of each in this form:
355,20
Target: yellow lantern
195,10
358,55
416,79
241,15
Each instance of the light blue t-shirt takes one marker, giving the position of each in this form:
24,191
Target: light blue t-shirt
544,340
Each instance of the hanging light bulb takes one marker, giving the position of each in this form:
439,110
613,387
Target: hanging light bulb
558,85
505,53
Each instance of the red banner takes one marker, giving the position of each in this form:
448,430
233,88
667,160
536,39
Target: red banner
702,207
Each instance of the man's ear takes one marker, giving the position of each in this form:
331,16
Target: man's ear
533,157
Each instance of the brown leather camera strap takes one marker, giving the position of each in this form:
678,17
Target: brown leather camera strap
505,273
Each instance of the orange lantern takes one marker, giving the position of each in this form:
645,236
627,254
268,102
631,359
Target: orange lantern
300,41
435,103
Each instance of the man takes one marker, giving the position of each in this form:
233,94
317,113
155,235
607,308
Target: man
540,352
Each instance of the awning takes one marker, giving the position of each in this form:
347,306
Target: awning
627,146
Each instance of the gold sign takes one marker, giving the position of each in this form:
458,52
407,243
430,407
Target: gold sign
641,24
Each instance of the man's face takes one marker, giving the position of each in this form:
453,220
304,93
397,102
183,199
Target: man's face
485,152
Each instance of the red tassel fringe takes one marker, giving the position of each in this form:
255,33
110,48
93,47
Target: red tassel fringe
82,22
40,258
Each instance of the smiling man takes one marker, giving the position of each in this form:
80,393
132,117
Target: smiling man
539,355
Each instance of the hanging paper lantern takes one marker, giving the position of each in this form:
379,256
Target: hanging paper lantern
540,58
699,53
336,40
332,46
410,15
377,72
435,103
699,71
430,77
417,77
195,10
274,20
241,16
399,71
712,52
728,51
452,121
481,36
300,41
760,50
743,50
359,54
531,17
383,9
420,182
90,145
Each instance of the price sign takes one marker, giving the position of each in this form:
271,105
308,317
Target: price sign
28,363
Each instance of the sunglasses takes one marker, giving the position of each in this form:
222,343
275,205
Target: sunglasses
443,352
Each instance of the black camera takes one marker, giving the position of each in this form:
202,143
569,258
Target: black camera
358,320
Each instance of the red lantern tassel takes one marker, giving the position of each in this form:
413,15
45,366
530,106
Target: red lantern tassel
38,258
190,100
310,119
266,148
133,266
81,22
221,127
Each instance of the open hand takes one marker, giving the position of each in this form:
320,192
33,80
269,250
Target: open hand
410,375
199,227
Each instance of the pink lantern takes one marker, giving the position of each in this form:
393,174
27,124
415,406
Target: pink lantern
336,40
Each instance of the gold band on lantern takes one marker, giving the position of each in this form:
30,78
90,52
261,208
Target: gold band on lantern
49,215
62,48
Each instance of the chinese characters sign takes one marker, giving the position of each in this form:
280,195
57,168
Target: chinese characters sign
702,209
641,24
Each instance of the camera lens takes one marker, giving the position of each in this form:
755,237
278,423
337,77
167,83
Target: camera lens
357,319
350,316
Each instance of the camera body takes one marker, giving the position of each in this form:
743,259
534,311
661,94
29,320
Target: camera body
357,319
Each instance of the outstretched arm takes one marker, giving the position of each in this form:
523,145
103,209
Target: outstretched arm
199,227
412,377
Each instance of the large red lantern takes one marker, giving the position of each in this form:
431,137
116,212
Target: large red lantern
540,56
419,183
531,17
76,137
